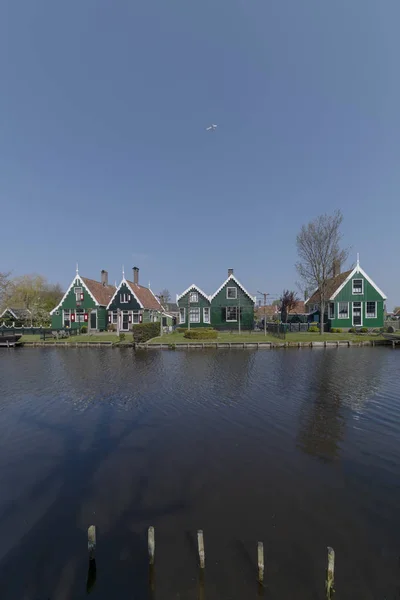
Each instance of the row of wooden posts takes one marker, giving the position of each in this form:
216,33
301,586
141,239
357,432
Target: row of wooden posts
151,542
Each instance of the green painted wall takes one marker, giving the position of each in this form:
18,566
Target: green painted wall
116,303
370,295
70,303
218,309
202,303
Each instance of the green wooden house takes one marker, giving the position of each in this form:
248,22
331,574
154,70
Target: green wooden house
232,306
84,304
354,300
196,304
16,317
131,304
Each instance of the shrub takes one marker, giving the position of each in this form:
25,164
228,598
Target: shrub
352,330
201,334
364,330
145,332
122,337
313,329
84,329
181,329
338,330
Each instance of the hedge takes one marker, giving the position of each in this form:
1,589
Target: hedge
201,334
145,332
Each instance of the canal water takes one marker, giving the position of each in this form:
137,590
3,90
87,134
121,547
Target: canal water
297,448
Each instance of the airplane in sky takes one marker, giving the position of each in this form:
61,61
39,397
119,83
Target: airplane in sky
211,127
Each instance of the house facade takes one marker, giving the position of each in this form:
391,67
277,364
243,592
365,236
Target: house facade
16,317
194,304
84,304
354,300
230,308
132,303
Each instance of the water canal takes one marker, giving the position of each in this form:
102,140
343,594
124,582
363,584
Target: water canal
297,448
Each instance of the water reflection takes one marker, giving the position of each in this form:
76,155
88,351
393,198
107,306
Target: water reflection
91,578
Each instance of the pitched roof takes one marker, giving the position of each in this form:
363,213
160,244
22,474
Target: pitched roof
17,313
192,287
299,309
101,293
145,296
233,278
269,310
331,286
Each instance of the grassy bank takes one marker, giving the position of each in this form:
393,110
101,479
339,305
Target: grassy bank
83,338
176,338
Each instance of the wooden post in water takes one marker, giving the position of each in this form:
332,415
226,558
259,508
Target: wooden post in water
330,573
260,560
91,541
200,544
151,545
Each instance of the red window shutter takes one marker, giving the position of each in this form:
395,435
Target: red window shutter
73,317
86,317
82,296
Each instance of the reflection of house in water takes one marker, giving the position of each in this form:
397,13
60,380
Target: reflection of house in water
340,384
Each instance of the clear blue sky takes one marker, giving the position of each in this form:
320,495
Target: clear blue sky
104,158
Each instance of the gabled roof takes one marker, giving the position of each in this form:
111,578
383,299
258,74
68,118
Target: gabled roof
233,278
17,313
299,309
336,284
99,293
144,296
190,288
331,286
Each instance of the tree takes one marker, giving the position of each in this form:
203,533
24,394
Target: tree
276,302
5,285
396,309
287,302
318,248
34,293
165,296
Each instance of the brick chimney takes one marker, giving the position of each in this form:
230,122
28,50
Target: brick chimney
135,275
336,267
104,277
230,272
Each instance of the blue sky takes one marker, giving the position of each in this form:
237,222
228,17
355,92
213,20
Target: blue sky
104,157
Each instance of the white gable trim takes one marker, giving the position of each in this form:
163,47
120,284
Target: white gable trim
233,278
124,281
193,287
357,269
73,284
158,300
10,311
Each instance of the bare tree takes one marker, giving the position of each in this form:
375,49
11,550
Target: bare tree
318,248
287,302
165,295
5,285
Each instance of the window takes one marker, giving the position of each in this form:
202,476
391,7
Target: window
194,297
206,314
57,313
194,315
331,310
124,298
231,313
136,317
371,310
115,317
78,293
231,293
343,310
67,318
182,315
80,315
358,286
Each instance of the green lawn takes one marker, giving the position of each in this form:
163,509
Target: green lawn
95,337
176,338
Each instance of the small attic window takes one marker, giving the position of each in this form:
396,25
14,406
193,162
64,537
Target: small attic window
358,286
231,293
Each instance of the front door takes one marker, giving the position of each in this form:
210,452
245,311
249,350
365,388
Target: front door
125,321
357,314
93,319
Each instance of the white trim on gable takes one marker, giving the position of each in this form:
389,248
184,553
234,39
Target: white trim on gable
233,278
124,281
357,269
73,284
192,287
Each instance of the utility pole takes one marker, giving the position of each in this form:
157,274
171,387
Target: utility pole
239,316
161,298
188,311
265,294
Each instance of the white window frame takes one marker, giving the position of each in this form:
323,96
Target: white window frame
206,310
124,298
78,291
361,312
80,315
198,312
182,315
226,314
135,318
362,286
66,310
227,293
340,316
193,297
368,315
331,310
